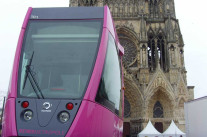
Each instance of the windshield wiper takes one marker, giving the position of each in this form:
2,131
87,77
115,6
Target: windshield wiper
32,79
26,74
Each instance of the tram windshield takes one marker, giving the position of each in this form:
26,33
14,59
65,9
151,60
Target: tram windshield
57,58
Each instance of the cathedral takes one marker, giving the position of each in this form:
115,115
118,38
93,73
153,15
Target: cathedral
154,68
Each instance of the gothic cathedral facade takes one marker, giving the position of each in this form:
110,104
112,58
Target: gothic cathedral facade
154,68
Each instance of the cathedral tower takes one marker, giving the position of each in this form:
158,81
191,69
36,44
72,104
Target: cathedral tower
154,68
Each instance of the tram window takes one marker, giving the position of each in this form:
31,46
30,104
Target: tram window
59,56
110,84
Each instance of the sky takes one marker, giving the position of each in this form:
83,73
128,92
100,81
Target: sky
190,13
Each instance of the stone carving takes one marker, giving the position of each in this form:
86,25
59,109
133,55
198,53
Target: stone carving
126,24
159,82
172,55
144,56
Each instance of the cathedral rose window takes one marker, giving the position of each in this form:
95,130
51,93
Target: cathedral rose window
130,50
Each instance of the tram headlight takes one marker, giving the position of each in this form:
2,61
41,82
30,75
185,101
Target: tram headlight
64,116
28,114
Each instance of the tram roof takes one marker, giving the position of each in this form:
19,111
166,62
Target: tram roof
68,13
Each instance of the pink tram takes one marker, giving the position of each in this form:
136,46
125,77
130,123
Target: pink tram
67,75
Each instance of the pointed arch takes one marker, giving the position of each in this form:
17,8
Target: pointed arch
166,104
182,87
134,97
170,96
159,80
157,49
150,31
160,30
162,50
151,50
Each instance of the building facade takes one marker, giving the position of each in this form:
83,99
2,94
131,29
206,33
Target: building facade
154,67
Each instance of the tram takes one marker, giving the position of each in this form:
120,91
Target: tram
67,78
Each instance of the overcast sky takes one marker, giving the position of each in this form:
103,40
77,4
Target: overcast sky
191,15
